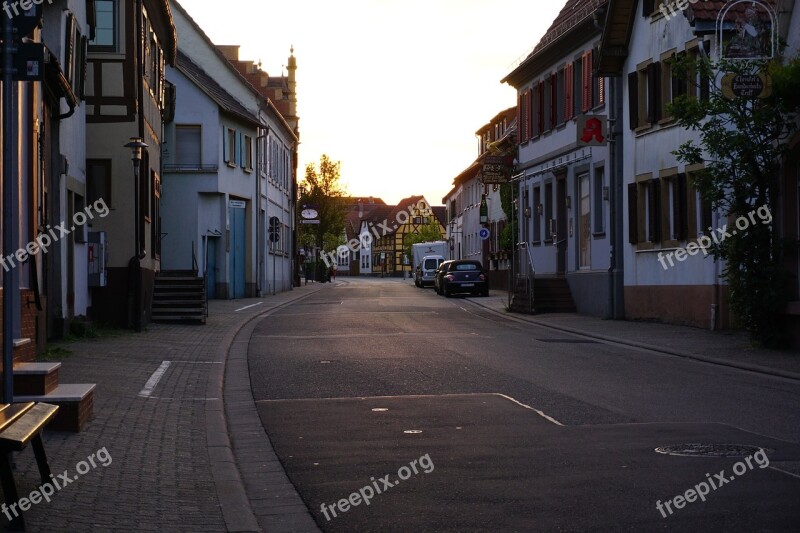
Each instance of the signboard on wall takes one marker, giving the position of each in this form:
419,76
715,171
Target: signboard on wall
592,130
496,170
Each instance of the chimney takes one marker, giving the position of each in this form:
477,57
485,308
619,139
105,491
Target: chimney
292,68
231,52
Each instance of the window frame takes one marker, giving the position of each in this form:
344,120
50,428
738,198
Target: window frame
115,30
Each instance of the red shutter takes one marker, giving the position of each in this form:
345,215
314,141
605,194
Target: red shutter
567,91
601,96
586,79
541,107
528,121
532,113
520,118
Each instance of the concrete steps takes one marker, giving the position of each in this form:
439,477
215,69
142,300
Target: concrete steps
550,295
39,382
179,296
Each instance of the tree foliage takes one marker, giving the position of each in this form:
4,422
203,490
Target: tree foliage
508,237
322,189
428,233
741,144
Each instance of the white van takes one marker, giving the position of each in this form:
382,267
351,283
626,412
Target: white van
426,270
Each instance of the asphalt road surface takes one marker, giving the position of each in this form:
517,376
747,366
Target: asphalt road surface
395,409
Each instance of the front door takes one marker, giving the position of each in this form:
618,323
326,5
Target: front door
561,224
237,255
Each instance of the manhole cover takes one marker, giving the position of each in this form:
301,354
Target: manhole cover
711,450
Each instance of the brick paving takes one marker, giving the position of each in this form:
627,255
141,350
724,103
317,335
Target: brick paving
160,477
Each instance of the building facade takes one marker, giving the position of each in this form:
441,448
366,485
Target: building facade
126,97
563,183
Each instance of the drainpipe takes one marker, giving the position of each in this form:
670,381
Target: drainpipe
616,195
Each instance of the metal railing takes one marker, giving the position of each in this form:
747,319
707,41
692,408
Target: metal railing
196,270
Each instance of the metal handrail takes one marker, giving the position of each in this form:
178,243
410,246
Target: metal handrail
196,270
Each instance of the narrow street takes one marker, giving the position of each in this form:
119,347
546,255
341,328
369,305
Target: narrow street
512,426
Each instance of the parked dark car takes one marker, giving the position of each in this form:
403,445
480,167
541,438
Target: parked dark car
464,276
441,270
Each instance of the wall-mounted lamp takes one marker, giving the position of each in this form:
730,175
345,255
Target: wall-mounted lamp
605,193
569,202
539,209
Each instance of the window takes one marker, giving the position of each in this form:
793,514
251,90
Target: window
644,100
584,222
577,86
229,147
599,200
188,146
98,180
247,160
155,216
537,215
548,212
698,85
106,27
644,210
547,103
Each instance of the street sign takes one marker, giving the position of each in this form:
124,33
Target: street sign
496,170
757,85
310,222
484,234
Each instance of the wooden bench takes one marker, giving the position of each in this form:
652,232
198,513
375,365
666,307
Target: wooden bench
20,424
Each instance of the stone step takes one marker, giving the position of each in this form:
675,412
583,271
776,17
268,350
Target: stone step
31,379
76,406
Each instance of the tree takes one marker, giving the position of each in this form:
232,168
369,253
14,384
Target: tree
428,233
742,142
508,237
323,190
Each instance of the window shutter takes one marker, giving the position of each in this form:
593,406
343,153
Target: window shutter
586,78
526,106
706,214
601,90
69,49
654,199
541,107
653,86
226,149
680,209
520,119
533,112
568,88
678,83
633,99
704,81
648,6
553,100
633,215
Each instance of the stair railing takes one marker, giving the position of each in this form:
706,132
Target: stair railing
196,270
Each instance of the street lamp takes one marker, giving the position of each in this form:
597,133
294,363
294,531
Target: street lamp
136,146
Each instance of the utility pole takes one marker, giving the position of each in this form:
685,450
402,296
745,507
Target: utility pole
10,208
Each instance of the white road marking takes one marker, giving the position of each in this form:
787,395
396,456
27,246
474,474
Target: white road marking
147,391
540,413
249,307
784,472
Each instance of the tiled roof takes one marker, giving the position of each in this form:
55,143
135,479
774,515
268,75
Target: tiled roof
574,12
709,11
440,212
214,90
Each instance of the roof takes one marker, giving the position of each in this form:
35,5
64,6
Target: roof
709,11
164,21
214,90
576,20
440,212
367,200
509,115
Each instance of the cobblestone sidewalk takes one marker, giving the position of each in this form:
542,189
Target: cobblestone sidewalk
159,477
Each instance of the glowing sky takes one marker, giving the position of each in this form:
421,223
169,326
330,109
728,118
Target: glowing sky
394,89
